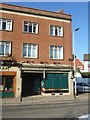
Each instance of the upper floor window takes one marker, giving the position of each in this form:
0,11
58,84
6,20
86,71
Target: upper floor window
30,27
56,30
5,48
5,24
56,52
30,50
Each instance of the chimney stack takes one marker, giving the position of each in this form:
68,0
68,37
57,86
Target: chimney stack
60,11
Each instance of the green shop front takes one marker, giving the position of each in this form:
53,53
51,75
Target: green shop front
45,80
55,83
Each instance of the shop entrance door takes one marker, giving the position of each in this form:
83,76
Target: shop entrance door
37,86
31,84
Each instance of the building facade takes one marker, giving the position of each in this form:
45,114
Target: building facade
78,64
35,48
86,62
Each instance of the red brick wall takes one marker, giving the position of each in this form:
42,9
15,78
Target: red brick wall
43,39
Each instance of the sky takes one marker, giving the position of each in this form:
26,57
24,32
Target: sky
79,12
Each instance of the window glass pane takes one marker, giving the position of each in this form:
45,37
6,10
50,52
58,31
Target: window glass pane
1,49
7,49
59,31
30,28
55,52
1,83
51,30
0,80
4,25
51,52
29,51
0,24
34,29
59,52
24,50
25,28
8,83
56,31
34,52
8,25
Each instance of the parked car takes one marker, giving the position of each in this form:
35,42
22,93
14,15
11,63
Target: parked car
82,87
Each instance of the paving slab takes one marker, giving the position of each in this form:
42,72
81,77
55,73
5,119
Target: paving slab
39,99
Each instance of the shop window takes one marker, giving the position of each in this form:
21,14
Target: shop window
6,83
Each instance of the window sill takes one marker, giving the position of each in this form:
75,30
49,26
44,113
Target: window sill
30,58
6,30
57,36
3,55
31,33
56,59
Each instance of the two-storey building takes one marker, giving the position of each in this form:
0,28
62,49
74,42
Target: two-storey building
35,51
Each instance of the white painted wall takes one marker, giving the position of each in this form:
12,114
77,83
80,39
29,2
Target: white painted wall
86,66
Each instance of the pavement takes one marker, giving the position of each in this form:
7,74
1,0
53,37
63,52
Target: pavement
39,99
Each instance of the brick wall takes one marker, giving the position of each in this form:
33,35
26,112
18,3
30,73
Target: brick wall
43,39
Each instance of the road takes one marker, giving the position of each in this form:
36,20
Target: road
49,110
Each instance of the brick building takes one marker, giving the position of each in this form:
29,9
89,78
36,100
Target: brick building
35,48
78,64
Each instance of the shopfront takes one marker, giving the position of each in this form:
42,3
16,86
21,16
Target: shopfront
45,80
7,84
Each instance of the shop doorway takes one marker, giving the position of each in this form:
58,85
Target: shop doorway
31,84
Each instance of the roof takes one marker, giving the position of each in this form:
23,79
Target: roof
86,57
27,10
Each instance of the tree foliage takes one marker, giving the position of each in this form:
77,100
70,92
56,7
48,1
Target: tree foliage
85,75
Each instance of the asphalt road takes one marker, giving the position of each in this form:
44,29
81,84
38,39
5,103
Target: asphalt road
51,110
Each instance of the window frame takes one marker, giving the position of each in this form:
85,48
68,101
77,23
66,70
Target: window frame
2,20
32,24
31,45
54,28
6,43
61,54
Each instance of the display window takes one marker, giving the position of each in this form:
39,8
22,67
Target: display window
6,83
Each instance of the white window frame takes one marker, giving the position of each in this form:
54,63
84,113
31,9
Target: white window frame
28,25
27,47
8,23
5,43
59,30
58,49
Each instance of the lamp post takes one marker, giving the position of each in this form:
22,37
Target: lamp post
74,48
74,59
